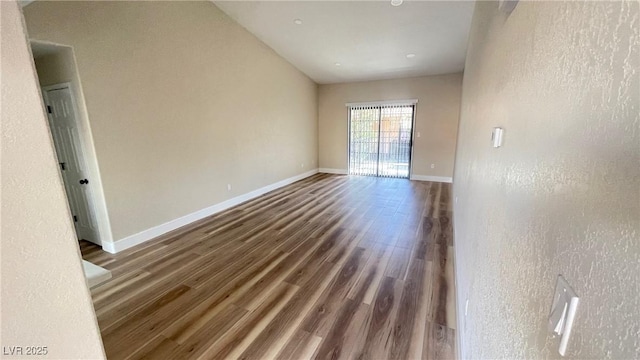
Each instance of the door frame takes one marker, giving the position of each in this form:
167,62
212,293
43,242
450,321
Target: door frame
95,192
411,141
410,102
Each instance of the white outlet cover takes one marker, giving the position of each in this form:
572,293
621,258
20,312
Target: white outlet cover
496,137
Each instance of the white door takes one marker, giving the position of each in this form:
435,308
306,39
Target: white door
64,128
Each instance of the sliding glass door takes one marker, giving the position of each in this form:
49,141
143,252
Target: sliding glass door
380,140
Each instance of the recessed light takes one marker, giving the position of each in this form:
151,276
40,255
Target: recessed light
297,22
396,2
411,56
337,64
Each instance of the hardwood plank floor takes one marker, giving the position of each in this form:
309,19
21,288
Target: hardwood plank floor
330,267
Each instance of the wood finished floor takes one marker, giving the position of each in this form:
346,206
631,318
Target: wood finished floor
330,267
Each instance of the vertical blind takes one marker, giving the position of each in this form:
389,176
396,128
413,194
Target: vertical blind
380,140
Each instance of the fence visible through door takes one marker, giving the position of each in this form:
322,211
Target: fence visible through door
380,139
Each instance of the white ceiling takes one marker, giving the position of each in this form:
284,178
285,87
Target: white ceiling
370,39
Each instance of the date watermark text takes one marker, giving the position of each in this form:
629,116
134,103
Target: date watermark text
24,350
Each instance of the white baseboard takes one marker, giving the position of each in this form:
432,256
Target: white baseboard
333,171
146,235
443,179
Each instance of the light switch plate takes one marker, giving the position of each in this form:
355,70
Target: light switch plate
563,312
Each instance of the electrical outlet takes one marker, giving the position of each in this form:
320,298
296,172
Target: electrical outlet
302,165
433,166
228,187
418,134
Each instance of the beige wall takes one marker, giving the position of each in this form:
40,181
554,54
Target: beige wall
436,120
55,68
45,300
562,196
182,101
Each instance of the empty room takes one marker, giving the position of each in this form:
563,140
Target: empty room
320,179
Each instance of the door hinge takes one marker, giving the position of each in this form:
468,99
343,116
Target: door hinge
49,110
75,218
63,166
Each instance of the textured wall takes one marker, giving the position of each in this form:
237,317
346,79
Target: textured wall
45,300
182,101
562,196
437,116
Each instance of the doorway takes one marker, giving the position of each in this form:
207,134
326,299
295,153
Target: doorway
68,121
380,140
